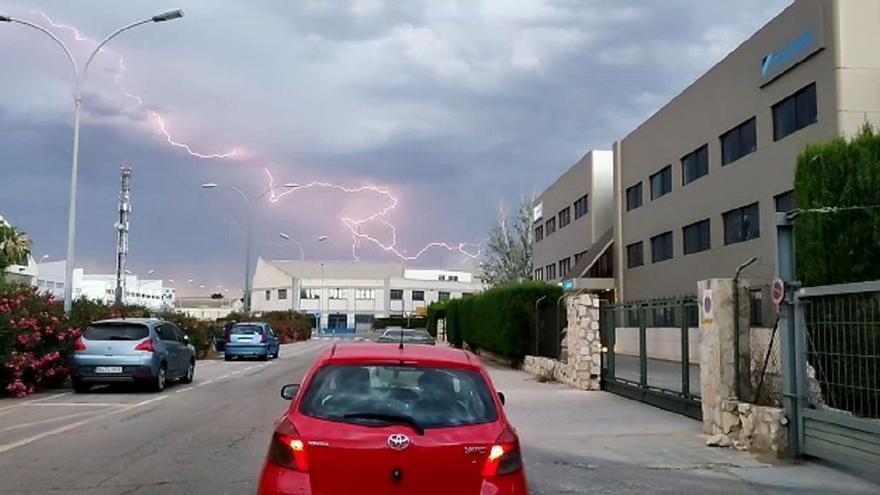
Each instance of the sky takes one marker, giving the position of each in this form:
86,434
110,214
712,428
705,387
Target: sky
434,112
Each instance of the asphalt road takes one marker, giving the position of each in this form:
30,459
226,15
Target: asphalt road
208,437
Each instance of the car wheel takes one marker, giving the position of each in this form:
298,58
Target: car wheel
227,357
190,373
81,387
264,357
159,381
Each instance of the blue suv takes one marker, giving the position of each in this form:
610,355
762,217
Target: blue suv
251,340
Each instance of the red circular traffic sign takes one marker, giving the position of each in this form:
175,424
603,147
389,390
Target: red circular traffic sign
777,291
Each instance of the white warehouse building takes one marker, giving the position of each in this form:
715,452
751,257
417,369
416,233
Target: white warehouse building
151,293
351,294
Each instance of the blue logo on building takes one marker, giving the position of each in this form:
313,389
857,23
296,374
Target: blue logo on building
788,54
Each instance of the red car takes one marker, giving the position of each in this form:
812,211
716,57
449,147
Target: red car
379,419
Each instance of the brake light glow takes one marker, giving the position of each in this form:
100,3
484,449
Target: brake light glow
287,449
263,338
146,345
79,345
504,456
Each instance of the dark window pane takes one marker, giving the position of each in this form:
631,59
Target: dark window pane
783,119
695,165
748,138
697,237
564,217
661,183
661,247
730,146
418,295
785,202
116,331
805,102
635,255
634,197
795,112
539,233
742,224
396,294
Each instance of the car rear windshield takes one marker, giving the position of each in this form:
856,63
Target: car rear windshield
246,329
431,397
116,331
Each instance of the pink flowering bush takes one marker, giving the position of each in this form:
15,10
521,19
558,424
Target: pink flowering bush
36,340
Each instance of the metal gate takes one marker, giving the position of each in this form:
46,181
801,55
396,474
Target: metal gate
650,353
831,364
837,373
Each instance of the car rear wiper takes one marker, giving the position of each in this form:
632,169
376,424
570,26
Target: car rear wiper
391,418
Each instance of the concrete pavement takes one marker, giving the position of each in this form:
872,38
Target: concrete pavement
577,442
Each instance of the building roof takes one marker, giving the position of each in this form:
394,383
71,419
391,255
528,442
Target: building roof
411,353
339,269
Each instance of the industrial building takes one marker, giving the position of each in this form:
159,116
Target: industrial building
151,293
351,294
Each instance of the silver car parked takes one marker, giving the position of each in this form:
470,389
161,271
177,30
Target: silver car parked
147,351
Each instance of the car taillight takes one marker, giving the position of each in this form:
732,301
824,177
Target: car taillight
79,345
504,456
287,449
263,338
229,338
146,345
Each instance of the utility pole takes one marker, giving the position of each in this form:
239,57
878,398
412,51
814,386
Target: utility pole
122,226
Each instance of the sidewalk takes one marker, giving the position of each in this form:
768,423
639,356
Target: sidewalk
578,442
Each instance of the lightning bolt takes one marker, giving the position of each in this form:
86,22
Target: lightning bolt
119,81
354,225
470,250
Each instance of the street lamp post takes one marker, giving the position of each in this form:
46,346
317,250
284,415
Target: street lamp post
302,252
79,77
249,241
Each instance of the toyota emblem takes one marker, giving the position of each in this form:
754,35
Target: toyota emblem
398,441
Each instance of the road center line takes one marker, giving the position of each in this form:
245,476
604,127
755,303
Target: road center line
50,420
206,382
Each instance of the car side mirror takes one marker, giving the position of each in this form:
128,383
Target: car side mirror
288,392
502,398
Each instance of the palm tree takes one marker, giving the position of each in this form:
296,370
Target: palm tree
15,247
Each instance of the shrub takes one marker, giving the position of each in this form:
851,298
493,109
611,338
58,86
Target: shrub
84,311
500,320
200,332
841,247
400,321
436,312
36,340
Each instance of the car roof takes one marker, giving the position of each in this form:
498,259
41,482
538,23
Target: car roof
136,321
350,353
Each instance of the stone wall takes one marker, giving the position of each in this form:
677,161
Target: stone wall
750,427
582,366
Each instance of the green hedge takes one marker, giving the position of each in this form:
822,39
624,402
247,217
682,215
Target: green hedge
841,247
436,311
400,321
500,320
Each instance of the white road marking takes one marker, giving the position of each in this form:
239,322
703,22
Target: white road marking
205,382
187,389
61,429
44,421
82,404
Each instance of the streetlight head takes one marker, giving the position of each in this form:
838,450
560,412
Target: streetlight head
151,271
168,16
291,185
284,236
322,238
209,185
5,17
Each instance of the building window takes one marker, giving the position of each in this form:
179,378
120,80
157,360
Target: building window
550,226
282,294
539,233
635,255
268,295
310,294
441,278
634,197
396,294
452,278
365,294
581,207
661,183
785,202
579,256
697,237
795,112
564,267
550,271
539,274
443,296
564,216
742,224
756,307
695,165
739,142
661,247
418,295
337,293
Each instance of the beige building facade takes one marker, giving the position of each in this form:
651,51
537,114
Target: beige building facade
698,184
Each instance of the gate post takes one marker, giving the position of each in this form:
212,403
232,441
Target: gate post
792,350
718,354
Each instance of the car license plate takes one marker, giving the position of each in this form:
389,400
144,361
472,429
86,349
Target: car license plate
108,369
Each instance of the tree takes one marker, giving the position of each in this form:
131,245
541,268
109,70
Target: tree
15,247
508,257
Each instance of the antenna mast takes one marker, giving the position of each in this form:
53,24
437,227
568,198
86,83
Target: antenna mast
122,225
